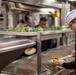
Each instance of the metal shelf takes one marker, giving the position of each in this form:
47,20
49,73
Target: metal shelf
11,48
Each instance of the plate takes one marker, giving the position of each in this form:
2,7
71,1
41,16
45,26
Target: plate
30,51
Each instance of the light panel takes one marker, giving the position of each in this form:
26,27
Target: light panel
72,0
47,9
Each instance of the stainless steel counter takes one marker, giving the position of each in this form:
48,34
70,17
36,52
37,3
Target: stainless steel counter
7,45
35,33
38,36
11,48
28,64
44,35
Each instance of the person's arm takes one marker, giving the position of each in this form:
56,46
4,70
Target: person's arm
18,26
70,65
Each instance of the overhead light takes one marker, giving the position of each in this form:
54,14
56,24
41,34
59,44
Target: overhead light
72,0
47,9
46,12
50,0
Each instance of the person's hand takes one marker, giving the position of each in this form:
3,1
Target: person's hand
25,25
58,63
73,54
19,25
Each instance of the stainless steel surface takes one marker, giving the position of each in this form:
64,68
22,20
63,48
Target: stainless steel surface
9,44
38,36
11,48
22,7
44,35
39,3
70,37
35,33
20,33
60,52
39,53
30,63
57,31
4,74
51,35
22,67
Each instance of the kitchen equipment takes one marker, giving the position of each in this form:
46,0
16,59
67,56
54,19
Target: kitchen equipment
47,68
11,48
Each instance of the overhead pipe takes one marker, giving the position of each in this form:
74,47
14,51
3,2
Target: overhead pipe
0,5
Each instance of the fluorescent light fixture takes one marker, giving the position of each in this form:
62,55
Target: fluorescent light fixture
46,12
47,9
72,0
50,0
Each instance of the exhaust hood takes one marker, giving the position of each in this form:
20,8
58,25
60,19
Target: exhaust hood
72,0
22,7
35,4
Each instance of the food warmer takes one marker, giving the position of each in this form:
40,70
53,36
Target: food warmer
28,65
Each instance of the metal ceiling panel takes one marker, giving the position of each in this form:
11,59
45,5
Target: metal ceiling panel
40,3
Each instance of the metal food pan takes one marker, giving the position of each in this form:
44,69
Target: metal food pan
60,51
20,67
44,60
53,53
23,64
17,71
33,63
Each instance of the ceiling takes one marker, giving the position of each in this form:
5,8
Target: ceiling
73,2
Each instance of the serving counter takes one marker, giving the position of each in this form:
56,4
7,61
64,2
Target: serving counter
44,35
39,36
28,65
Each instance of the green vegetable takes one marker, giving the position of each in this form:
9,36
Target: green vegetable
39,29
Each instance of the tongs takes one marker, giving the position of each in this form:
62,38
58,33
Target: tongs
68,56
